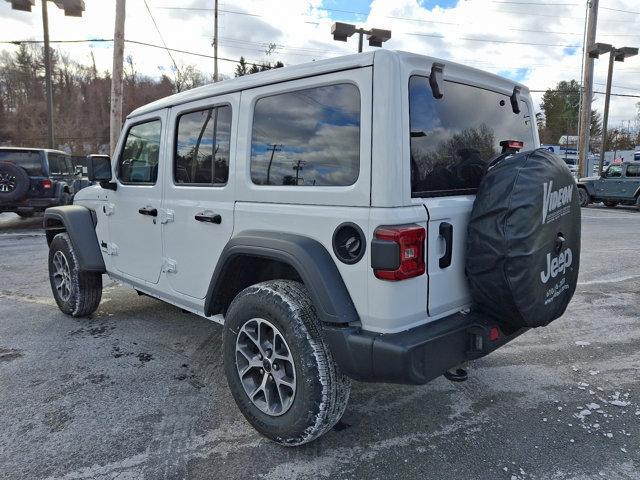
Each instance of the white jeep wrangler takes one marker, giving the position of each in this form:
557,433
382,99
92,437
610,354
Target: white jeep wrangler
320,214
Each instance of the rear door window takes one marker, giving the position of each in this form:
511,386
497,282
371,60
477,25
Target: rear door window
30,161
633,171
202,147
453,138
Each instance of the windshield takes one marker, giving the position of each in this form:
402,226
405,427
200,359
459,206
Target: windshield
30,161
453,138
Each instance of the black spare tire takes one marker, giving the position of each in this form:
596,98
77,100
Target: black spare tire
14,182
523,244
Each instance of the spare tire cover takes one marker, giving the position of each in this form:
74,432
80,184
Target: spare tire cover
14,182
523,244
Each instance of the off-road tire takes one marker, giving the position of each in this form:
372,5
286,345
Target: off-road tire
610,204
322,391
585,198
85,288
16,176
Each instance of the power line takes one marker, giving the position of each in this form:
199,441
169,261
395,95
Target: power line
135,42
161,37
595,93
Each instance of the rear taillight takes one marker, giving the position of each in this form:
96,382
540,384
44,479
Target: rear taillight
47,184
410,251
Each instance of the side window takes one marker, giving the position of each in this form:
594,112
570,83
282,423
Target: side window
55,166
307,137
202,147
138,161
614,171
633,171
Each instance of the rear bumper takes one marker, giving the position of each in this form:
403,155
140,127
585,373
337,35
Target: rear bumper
31,204
414,356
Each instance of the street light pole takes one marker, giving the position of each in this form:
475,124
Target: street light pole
615,55
72,8
47,74
605,118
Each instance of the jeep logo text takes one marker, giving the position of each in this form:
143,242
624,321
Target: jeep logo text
557,265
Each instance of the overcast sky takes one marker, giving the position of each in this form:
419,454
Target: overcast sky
537,42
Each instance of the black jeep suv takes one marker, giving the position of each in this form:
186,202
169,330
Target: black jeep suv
32,179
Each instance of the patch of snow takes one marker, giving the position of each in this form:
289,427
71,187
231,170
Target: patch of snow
620,403
583,344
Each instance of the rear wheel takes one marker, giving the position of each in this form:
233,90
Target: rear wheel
610,204
585,198
77,293
280,372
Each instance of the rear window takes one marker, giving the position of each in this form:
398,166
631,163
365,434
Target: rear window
453,138
30,161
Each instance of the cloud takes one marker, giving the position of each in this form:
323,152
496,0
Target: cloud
538,45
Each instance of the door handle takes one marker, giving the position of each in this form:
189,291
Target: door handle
150,211
446,232
208,218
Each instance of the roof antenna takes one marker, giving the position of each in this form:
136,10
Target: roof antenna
435,80
515,100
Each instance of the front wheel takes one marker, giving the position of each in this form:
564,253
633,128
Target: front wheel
585,199
280,372
77,293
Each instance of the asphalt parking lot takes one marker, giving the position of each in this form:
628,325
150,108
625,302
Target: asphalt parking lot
138,391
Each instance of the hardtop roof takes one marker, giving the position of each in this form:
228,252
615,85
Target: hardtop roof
33,149
454,71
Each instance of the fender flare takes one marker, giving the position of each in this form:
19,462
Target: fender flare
308,257
80,224
588,187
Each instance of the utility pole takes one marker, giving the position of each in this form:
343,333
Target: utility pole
47,74
215,41
587,90
115,121
274,148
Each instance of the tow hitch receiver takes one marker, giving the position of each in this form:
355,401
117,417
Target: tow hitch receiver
457,374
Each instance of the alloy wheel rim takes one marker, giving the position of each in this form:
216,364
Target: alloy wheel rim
265,367
7,183
62,276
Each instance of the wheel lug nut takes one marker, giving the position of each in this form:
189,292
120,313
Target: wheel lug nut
259,356
261,371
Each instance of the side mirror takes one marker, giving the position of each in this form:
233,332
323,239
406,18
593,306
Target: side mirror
99,168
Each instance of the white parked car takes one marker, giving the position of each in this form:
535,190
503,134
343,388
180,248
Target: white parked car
321,213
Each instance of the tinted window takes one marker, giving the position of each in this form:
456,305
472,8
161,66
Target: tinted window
59,164
202,147
308,137
139,159
30,161
633,171
453,138
614,171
